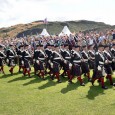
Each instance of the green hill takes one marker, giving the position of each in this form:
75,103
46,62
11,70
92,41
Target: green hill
52,27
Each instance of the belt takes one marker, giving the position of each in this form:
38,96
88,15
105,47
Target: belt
55,62
85,60
41,59
110,61
75,61
102,63
67,57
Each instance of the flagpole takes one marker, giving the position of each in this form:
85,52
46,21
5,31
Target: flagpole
45,22
46,26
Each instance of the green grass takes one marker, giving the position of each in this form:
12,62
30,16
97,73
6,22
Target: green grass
32,96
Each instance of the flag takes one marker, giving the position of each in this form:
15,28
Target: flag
45,21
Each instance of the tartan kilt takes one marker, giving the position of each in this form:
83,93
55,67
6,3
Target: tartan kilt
66,66
108,69
56,67
113,66
76,70
85,67
62,64
41,66
20,62
91,64
11,62
26,64
48,65
36,66
16,60
2,62
98,73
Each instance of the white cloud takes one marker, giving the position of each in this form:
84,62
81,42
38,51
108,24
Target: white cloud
23,11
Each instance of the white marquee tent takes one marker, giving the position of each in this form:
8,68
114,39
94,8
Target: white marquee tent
65,31
44,33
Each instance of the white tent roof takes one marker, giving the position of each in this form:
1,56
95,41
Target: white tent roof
44,33
65,31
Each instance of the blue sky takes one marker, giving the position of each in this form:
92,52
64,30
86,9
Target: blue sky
24,11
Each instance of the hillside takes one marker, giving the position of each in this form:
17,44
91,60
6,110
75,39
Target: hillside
52,27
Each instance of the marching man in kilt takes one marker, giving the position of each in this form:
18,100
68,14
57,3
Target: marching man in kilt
113,55
35,59
99,71
56,59
11,55
62,52
108,67
85,64
76,64
91,54
2,57
67,66
26,59
20,55
40,60
48,52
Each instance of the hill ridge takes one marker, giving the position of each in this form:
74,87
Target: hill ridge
53,27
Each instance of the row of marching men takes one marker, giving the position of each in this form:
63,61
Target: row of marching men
74,62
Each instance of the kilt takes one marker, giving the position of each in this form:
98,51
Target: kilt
48,65
91,64
26,64
16,60
85,67
76,70
56,67
98,73
41,66
113,66
108,69
36,66
20,62
66,66
11,62
62,64
2,62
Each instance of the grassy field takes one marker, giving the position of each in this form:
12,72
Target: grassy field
31,96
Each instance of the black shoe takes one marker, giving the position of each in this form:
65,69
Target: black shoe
85,74
46,72
70,81
82,84
107,78
98,81
43,78
89,80
59,81
62,75
39,76
52,78
24,74
104,87
113,84
92,82
19,71
10,72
